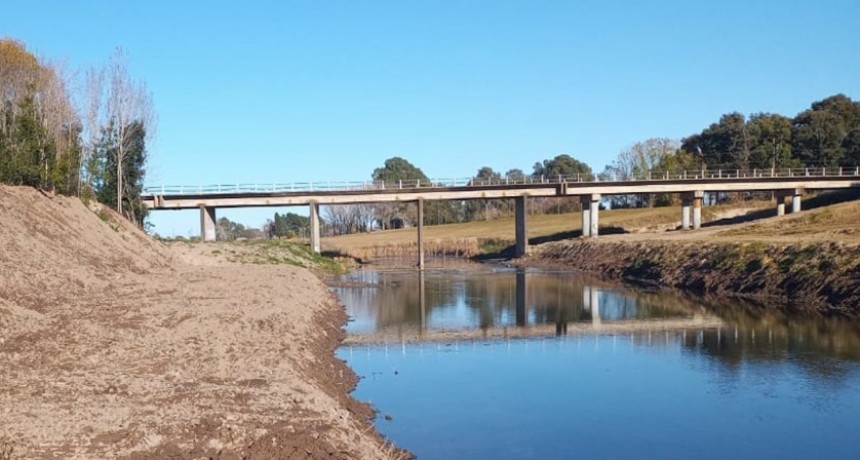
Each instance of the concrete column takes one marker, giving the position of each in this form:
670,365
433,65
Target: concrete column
315,227
697,209
795,202
595,209
686,203
207,223
586,217
421,234
780,204
521,298
590,208
521,226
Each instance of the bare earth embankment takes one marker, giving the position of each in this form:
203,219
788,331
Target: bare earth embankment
114,346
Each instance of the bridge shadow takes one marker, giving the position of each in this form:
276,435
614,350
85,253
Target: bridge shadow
509,252
816,201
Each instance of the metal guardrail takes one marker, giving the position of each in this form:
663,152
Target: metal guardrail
652,175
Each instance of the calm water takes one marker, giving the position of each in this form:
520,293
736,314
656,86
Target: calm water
499,364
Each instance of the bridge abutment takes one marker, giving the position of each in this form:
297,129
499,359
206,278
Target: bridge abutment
315,227
521,229
207,223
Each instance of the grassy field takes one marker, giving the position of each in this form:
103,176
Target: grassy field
472,238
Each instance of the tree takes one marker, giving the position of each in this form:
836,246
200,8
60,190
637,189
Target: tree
562,165
482,208
824,134
129,112
39,129
397,169
771,141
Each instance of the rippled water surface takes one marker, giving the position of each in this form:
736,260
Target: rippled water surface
495,363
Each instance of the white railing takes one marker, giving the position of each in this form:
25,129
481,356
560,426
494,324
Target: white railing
651,175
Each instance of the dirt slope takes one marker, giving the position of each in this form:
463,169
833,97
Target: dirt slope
111,347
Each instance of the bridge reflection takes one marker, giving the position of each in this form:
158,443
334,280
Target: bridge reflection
421,306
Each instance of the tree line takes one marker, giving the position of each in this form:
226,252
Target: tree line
74,133
825,135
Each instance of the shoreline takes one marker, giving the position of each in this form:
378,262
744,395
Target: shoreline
807,278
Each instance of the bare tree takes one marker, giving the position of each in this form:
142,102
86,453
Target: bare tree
127,102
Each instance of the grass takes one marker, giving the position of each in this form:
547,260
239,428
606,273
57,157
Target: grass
494,236
288,252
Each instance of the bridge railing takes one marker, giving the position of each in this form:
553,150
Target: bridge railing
650,175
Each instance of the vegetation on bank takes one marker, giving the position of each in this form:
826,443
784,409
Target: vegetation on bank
90,143
806,277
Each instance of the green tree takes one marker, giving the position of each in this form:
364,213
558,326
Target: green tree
828,133
562,165
104,169
397,170
771,141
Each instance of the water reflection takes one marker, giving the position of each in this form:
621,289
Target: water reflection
666,373
412,305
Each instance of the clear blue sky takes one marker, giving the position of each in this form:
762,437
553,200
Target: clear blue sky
280,91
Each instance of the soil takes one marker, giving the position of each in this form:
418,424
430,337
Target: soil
112,345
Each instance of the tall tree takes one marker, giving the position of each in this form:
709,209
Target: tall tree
129,104
562,165
824,135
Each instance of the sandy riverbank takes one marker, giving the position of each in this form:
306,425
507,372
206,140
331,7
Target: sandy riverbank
114,346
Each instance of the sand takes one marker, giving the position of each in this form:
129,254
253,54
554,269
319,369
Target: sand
114,346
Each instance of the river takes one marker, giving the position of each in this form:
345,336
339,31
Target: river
496,363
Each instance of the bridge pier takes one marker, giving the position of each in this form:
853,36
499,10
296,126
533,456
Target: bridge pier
691,200
590,210
521,226
315,227
780,203
420,233
795,200
207,223
781,195
686,204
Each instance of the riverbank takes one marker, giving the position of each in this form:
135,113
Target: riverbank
822,278
113,345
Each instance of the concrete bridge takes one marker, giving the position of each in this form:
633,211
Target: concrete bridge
691,185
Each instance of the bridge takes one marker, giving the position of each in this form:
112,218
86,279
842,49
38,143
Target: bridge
690,185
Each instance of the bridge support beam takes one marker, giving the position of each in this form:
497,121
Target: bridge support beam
315,227
780,202
686,204
207,223
590,217
420,234
697,209
691,200
521,226
781,195
795,200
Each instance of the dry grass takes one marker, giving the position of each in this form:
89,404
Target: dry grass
837,222
471,238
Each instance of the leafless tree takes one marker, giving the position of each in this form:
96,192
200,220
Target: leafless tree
127,102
